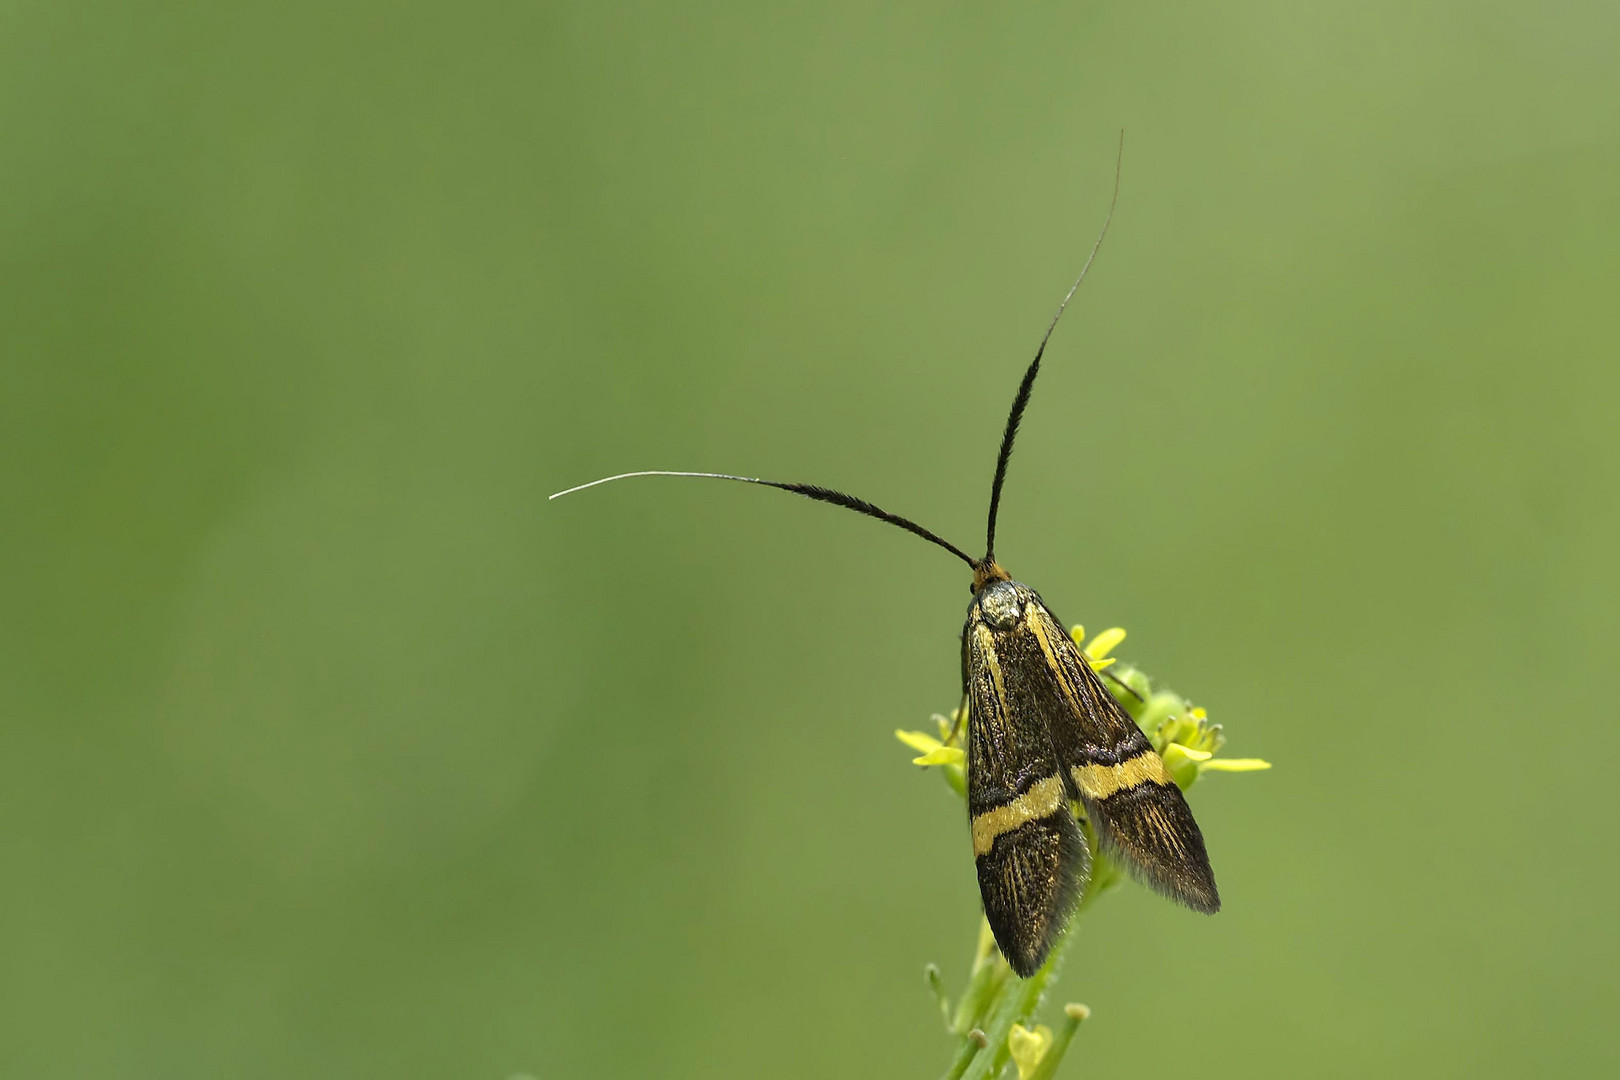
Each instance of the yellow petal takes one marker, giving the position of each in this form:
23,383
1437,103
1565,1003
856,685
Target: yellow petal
1235,764
1098,665
1176,749
1077,632
919,741
1105,643
945,755
1028,1047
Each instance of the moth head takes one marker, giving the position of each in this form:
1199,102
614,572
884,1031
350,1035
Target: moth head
1002,604
986,571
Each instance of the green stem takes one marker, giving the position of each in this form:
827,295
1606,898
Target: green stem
936,984
1018,1002
1073,1016
964,1057
985,981
1013,1000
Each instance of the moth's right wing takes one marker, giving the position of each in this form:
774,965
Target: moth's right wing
1138,812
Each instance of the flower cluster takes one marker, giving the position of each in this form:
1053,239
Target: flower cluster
1179,730
993,1021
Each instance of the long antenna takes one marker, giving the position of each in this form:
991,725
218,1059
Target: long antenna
1021,399
809,491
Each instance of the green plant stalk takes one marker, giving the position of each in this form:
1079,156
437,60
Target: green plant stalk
1060,1046
1020,1001
1011,1000
964,1057
985,981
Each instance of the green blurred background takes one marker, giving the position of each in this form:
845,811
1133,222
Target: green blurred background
330,748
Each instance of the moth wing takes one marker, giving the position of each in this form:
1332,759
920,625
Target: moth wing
1031,859
1139,814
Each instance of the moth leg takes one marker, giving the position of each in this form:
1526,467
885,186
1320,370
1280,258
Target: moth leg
956,724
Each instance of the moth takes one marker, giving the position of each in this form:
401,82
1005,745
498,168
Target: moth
1043,735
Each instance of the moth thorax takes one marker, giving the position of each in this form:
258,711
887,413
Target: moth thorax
1001,604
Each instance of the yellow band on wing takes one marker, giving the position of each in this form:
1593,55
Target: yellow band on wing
1101,781
1044,798
1032,619
987,648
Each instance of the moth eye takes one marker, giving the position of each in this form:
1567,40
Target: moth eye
1001,606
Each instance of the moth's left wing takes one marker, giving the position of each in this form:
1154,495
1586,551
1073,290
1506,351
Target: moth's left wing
1032,861
1139,814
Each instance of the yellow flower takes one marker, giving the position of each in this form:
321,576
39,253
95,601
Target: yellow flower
1101,645
1235,764
934,752
940,751
1188,742
1028,1046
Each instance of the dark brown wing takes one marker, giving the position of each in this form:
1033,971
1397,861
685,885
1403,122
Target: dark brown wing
1139,814
1032,860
